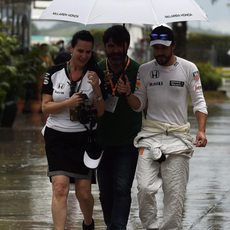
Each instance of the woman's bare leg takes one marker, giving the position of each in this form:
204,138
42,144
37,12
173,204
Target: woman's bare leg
85,198
60,186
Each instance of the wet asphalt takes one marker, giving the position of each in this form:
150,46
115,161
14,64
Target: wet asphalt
25,190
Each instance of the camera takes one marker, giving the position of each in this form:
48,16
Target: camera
84,113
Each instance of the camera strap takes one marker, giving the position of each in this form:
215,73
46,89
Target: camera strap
73,84
89,129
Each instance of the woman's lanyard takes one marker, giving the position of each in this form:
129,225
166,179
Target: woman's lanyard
114,87
72,83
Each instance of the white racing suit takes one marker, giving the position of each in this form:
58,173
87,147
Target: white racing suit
175,142
164,92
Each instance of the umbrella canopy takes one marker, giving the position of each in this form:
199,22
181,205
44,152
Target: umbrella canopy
152,12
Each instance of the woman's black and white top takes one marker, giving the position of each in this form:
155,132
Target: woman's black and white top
57,83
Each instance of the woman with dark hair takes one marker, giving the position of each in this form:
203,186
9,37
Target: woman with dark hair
66,90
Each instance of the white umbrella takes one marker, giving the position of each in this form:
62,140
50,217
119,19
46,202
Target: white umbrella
153,12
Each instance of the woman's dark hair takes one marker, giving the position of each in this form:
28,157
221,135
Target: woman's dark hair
118,33
83,35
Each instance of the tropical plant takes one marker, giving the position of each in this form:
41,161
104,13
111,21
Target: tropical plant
20,72
17,68
210,76
8,69
30,67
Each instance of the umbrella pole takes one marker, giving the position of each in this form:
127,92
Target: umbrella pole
123,64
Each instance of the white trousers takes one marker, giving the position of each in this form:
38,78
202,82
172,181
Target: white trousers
172,175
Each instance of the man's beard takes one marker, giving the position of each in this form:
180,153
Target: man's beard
116,59
163,60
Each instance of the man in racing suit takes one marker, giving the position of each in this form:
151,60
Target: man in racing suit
165,145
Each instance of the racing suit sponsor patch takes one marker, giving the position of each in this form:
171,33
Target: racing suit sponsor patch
138,83
61,86
196,75
46,79
155,83
197,87
154,74
176,83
